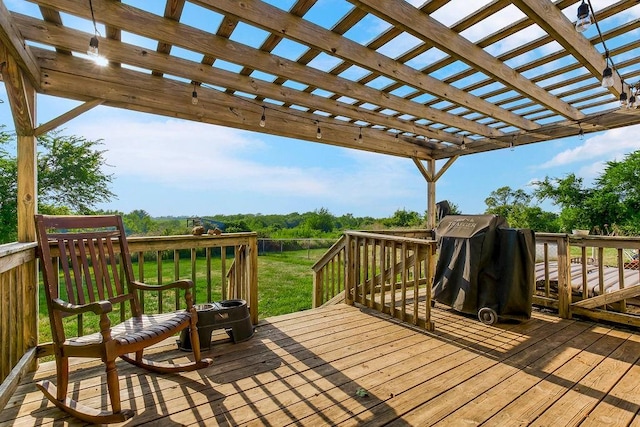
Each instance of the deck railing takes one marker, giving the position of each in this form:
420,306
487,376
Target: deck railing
18,315
592,276
384,271
222,267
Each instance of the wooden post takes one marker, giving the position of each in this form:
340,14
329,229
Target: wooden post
253,279
564,278
27,187
22,100
431,195
349,271
317,288
431,176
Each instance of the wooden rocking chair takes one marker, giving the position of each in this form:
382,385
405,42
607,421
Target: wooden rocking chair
88,249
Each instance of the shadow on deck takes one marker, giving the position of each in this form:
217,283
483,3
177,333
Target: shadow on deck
344,365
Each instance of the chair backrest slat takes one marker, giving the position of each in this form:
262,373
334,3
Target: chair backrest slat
66,271
113,277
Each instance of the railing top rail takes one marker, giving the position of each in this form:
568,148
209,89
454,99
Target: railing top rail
624,242
332,252
15,247
14,254
187,241
295,239
399,239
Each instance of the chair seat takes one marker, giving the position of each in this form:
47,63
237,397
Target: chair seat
138,329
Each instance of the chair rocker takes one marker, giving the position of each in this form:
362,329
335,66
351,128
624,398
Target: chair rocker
91,253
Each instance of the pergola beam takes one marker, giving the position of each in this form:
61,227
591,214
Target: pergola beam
69,115
404,15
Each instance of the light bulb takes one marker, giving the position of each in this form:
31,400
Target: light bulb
319,133
607,77
632,102
583,24
194,98
93,47
623,99
584,19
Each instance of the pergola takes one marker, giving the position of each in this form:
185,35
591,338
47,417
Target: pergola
506,73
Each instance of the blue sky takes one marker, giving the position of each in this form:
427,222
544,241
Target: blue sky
174,167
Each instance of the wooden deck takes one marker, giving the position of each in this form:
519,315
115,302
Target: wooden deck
307,368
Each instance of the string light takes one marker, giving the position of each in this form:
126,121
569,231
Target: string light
632,102
93,51
93,47
194,95
263,119
360,138
584,18
607,74
581,132
623,98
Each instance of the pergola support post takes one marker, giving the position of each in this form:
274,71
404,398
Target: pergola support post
431,176
22,100
431,195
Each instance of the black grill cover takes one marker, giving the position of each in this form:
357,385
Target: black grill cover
466,249
483,263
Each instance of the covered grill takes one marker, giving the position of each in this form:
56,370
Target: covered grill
484,267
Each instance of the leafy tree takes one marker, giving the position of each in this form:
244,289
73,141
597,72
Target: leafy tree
320,220
8,192
70,173
70,178
138,222
404,218
515,207
616,197
570,194
507,202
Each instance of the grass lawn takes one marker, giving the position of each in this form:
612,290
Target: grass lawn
285,281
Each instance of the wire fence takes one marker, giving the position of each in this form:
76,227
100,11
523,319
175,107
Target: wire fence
282,245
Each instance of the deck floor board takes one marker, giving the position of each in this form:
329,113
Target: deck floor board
309,368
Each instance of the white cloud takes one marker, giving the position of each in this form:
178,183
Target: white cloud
167,148
180,155
603,147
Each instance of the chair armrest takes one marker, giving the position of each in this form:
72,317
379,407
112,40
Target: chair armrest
179,284
99,307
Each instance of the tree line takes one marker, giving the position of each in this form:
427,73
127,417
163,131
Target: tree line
610,206
72,180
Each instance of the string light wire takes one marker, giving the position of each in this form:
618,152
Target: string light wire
318,122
